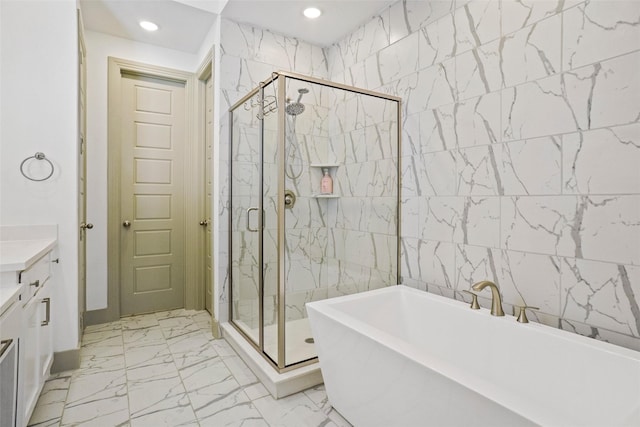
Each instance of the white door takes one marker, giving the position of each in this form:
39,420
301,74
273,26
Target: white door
152,202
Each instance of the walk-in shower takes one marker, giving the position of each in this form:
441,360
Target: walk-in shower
289,244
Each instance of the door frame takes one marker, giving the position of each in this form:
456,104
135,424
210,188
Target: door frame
192,183
205,72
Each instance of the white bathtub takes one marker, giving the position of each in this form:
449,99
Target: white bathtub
402,357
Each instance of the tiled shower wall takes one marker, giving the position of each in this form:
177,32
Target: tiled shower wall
249,56
521,150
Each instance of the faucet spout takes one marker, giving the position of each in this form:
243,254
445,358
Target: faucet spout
496,299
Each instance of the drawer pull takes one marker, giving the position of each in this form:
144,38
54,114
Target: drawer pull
36,283
47,319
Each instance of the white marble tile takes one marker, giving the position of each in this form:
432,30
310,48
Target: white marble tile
399,26
318,396
420,13
142,337
596,30
609,230
602,295
223,403
537,108
477,121
90,365
399,59
478,170
532,53
477,23
51,402
294,410
410,221
373,36
411,136
437,87
192,341
154,353
100,399
411,176
438,129
545,225
103,327
110,346
436,262
256,391
603,161
437,41
102,339
479,222
517,14
605,93
531,279
139,322
240,371
438,176
474,264
477,71
157,395
532,167
440,217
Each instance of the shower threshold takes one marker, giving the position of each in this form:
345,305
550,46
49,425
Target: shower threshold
278,384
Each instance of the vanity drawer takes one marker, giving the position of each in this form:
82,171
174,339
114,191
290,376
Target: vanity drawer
35,276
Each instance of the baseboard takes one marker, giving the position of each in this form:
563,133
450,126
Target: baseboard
65,360
98,317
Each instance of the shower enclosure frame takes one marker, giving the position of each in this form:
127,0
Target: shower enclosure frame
280,77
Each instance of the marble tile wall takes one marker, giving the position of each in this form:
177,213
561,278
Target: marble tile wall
248,56
326,252
520,150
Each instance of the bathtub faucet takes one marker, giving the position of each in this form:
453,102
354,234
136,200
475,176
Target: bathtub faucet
496,299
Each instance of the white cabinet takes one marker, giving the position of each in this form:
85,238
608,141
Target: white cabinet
38,349
26,286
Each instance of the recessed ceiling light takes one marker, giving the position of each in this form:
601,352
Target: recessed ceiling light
312,12
148,25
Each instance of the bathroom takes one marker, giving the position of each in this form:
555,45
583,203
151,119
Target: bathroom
519,148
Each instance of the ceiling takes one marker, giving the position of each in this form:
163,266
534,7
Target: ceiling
185,23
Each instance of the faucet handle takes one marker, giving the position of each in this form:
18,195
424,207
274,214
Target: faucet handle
474,300
522,315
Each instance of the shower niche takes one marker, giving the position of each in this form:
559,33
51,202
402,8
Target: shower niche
282,255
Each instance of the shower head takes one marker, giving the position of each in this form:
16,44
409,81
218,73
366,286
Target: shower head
295,108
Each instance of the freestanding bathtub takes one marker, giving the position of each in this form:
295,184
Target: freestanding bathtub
401,357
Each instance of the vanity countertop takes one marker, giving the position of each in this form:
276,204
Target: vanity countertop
18,255
9,295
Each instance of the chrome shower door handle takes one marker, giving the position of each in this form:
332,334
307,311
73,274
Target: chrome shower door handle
254,230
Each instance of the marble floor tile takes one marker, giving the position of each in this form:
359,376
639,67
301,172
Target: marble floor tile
151,354
222,404
139,322
51,402
294,411
166,369
142,337
240,370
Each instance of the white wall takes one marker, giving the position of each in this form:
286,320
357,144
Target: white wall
39,113
99,48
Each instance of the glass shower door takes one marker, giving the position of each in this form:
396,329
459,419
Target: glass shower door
246,153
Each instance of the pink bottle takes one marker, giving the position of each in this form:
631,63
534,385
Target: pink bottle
326,184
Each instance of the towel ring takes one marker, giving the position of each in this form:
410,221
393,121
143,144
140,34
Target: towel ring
37,156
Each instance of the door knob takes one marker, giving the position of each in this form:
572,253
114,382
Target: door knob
204,222
86,226
126,223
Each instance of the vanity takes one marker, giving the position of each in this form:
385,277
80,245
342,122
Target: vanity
26,282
